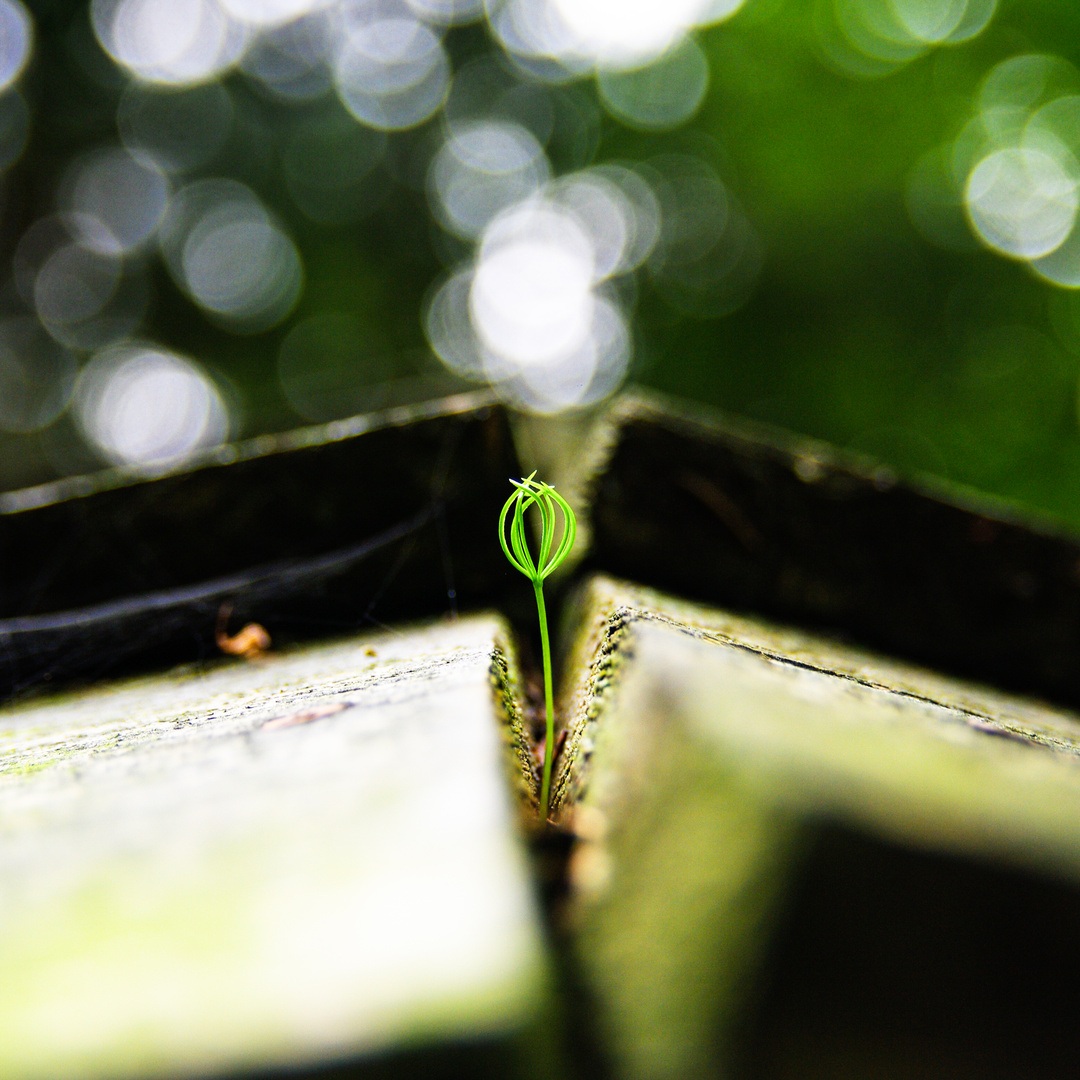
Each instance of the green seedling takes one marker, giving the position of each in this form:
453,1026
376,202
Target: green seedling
529,492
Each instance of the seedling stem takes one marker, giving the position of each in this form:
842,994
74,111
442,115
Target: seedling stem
529,492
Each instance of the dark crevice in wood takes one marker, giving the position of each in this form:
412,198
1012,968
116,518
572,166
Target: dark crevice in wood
310,540
897,962
724,513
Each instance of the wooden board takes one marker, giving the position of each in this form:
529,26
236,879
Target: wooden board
313,532
308,857
704,751
729,513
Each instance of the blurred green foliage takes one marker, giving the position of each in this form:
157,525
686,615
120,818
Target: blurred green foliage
861,332
952,360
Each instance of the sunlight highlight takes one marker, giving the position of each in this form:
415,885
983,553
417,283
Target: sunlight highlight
559,38
144,406
16,41
871,38
1017,165
230,256
118,201
1022,200
534,314
483,168
169,41
390,71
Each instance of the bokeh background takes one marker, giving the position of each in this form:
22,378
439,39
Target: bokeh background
856,219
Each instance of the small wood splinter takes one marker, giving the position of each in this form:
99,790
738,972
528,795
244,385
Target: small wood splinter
250,642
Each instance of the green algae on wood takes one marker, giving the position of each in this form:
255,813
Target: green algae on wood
509,689
704,747
300,859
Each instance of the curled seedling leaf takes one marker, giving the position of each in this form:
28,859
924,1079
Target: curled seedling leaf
531,492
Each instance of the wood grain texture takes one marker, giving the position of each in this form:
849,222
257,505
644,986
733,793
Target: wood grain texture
302,858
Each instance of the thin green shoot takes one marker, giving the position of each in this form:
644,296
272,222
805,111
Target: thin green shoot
529,492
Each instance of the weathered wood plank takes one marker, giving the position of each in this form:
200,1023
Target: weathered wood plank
304,858
700,747
310,533
725,512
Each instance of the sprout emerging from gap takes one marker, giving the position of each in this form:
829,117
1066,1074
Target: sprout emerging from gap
530,492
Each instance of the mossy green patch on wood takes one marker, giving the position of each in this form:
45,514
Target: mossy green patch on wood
603,612
508,688
302,859
703,745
